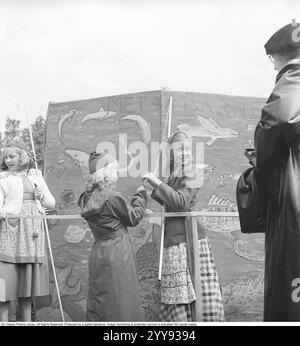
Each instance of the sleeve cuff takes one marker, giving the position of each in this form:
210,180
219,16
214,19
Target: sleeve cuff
155,196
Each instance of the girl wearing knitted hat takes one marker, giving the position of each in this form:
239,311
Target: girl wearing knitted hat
23,259
113,293
190,289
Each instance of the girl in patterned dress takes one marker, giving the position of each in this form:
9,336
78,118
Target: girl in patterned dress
23,259
181,299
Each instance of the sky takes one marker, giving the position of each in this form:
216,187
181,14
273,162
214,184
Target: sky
62,50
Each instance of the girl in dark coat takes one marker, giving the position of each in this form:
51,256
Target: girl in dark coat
186,294
113,284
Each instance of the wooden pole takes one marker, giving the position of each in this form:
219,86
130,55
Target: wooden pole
44,219
162,236
197,304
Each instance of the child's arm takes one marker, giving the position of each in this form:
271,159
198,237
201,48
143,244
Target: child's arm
149,179
43,191
129,213
182,198
156,198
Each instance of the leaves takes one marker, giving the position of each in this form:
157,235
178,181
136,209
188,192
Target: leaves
14,132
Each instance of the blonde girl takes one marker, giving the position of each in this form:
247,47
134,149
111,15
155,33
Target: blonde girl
113,283
23,260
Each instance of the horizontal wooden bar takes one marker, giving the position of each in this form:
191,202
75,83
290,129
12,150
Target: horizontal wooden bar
174,214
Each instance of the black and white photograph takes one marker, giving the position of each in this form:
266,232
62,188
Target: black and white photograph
150,163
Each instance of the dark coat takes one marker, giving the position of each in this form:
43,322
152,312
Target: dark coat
277,146
113,284
250,199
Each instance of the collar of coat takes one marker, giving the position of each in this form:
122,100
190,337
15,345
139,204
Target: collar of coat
292,65
93,202
186,176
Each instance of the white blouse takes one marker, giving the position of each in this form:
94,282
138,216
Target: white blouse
11,191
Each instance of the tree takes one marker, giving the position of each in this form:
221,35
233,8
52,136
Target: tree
38,130
12,130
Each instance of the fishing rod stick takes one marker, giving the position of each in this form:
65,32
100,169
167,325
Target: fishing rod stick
45,221
162,236
161,144
156,172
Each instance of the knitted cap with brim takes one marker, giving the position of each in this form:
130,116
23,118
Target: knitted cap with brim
178,136
18,144
99,160
285,38
21,145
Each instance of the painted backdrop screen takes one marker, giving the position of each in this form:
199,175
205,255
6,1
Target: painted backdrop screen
129,126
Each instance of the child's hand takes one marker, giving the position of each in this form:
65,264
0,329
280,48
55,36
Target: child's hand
39,194
251,156
140,188
2,214
151,178
147,186
148,192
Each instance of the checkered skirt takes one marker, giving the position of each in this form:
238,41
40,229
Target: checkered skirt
180,311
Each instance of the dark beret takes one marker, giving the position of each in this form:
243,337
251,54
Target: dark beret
284,38
99,160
